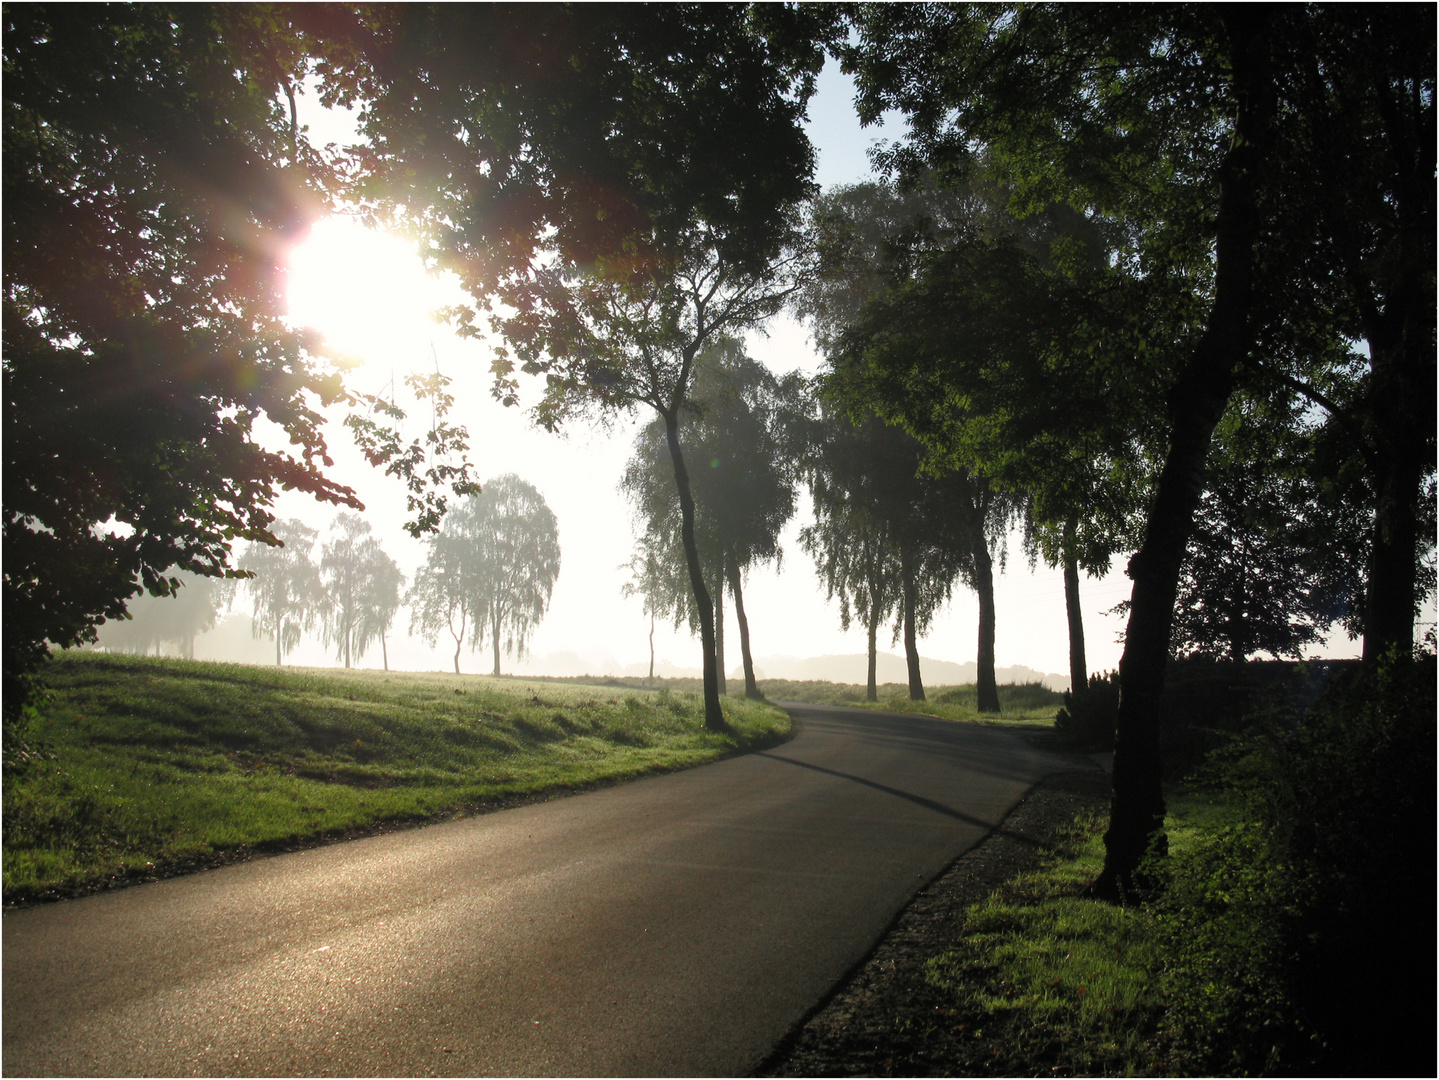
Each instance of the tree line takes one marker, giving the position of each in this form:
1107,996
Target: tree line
488,575
1157,280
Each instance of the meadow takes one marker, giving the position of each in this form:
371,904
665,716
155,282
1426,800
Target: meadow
140,768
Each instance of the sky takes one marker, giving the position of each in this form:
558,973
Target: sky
370,295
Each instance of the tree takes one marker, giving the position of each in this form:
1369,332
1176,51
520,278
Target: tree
362,588
961,323
491,569
744,490
913,535
154,177
153,621
1186,127
623,180
284,586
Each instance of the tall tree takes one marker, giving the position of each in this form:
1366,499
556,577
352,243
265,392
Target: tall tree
154,178
284,585
490,570
624,180
912,530
362,588
962,323
1186,126
743,489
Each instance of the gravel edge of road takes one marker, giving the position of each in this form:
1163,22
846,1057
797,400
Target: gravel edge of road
880,1019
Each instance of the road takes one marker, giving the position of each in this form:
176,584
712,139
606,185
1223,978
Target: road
678,925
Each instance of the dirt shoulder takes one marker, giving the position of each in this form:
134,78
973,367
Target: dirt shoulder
883,1019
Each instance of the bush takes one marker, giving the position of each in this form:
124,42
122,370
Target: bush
1087,719
1306,936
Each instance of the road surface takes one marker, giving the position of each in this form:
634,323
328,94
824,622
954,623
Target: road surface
677,926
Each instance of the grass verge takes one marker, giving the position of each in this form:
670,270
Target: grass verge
1193,984
1027,705
145,767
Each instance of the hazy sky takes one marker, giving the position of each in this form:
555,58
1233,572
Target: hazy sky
369,295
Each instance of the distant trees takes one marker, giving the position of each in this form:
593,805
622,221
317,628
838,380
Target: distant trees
743,490
362,589
286,593
178,619
490,570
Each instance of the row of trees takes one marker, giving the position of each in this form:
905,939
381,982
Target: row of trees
488,574
1147,221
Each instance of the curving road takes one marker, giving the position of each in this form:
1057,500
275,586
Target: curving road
678,925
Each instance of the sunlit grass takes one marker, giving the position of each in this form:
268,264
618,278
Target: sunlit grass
1028,705
142,765
1073,980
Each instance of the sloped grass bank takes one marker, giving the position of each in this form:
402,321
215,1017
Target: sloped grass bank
143,767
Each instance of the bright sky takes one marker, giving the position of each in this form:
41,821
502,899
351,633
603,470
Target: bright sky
370,296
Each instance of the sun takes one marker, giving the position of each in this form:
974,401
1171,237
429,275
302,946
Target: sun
367,292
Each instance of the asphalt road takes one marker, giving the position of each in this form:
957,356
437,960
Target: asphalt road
675,926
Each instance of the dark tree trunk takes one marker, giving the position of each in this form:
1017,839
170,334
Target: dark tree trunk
1198,399
871,689
719,628
986,690
714,714
751,687
1078,665
1399,400
911,644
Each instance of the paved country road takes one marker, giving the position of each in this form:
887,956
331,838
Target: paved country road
676,926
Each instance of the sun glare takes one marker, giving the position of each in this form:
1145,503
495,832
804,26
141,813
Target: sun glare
366,292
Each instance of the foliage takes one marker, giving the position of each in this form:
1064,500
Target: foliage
285,590
362,588
144,767
152,182
1087,719
152,621
154,179
742,485
490,569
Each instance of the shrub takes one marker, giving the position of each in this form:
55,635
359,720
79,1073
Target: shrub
1087,719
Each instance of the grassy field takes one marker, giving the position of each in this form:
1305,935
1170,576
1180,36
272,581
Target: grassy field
1028,705
145,767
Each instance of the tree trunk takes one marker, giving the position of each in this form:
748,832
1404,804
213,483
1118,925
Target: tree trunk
871,692
495,641
751,687
1197,401
1078,665
651,679
911,645
714,714
279,625
719,628
384,653
986,690
1392,585
347,649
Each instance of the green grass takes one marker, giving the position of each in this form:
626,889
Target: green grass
1081,983
1028,705
144,766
